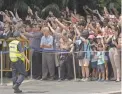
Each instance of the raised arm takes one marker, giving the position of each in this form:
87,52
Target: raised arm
103,43
11,14
76,30
84,8
36,14
106,11
93,29
72,46
30,10
31,35
109,38
61,25
16,14
51,28
100,16
74,16
6,17
116,12
90,10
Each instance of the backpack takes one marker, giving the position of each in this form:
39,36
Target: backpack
80,54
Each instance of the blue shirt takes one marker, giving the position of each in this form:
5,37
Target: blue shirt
101,59
47,41
35,38
87,50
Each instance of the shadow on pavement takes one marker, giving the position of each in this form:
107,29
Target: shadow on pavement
35,92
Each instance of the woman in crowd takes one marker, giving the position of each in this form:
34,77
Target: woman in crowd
114,54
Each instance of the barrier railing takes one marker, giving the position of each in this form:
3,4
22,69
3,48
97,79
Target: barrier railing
29,66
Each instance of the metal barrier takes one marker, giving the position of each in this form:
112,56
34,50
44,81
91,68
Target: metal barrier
6,63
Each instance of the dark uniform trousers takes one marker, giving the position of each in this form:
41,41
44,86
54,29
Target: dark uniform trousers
18,68
66,67
48,65
36,64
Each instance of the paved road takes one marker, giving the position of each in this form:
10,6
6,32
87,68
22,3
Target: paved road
65,87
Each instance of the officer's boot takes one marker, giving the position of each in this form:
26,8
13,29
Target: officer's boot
16,88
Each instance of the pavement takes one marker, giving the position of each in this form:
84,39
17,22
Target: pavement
64,87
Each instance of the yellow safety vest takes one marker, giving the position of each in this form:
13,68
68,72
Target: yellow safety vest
14,54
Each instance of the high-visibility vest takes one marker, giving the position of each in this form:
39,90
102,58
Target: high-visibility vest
14,54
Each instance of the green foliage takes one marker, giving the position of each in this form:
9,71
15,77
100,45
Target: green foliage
21,5
1,3
106,3
51,7
54,5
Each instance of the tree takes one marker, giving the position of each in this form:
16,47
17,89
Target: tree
38,5
102,3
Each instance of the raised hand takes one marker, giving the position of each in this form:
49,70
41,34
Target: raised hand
48,24
30,10
86,7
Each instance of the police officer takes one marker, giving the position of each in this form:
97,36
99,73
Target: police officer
17,58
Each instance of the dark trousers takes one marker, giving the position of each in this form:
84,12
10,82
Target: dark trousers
48,65
36,64
18,68
78,68
66,67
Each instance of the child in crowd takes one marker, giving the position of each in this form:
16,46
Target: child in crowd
94,63
100,63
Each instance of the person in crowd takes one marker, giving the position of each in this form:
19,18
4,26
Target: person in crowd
48,64
94,62
100,62
66,64
84,59
35,34
114,54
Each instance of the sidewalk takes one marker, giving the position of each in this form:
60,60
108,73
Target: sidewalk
65,87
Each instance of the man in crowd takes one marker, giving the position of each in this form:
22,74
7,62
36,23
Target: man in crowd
48,64
34,34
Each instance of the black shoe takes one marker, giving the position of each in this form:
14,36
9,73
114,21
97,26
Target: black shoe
15,86
17,91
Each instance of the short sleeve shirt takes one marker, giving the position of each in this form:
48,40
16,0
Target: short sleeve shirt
100,56
47,41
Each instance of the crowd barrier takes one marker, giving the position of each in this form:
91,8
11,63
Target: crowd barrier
5,62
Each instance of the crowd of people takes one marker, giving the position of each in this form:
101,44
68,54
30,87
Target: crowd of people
95,41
